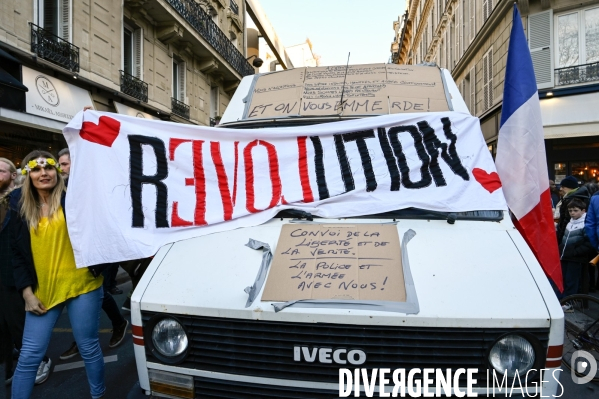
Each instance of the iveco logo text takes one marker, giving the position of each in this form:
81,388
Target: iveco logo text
329,355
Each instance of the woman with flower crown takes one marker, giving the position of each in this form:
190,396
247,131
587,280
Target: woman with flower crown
46,274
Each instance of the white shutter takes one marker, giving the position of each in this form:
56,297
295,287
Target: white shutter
488,80
458,30
138,54
540,42
472,24
472,105
487,9
64,18
182,81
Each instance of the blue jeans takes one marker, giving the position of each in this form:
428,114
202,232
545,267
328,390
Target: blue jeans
84,314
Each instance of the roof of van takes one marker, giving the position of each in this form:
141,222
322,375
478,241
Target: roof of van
341,92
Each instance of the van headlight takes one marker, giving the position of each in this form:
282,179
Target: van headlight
512,353
169,337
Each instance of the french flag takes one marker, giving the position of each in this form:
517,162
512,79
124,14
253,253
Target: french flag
520,161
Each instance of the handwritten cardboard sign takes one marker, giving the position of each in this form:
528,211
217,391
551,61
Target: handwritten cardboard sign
279,95
370,89
336,261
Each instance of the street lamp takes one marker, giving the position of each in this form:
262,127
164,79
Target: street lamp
257,63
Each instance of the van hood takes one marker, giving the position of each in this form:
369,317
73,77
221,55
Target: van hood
469,274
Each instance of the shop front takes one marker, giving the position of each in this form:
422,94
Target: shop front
571,128
50,103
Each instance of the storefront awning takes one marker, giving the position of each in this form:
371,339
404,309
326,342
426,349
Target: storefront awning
571,116
7,57
7,79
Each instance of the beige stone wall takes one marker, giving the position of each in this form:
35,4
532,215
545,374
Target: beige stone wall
14,18
97,28
97,31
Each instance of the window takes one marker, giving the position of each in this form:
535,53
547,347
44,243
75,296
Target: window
179,80
458,29
132,52
472,22
587,172
214,111
577,37
472,89
487,9
55,16
452,35
488,80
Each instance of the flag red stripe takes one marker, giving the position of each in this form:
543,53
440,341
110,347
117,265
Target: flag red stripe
538,230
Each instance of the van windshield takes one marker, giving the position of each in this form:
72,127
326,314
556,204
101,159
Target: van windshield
409,213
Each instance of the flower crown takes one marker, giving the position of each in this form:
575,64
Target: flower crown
41,162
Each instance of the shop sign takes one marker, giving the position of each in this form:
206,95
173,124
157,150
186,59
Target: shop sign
125,110
53,98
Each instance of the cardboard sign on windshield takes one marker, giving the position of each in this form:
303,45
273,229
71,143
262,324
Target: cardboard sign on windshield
336,261
369,89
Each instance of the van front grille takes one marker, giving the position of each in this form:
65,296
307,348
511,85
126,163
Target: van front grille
265,348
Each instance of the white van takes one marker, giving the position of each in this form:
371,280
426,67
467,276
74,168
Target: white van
476,299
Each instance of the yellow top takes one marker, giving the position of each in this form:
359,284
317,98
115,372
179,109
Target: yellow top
58,277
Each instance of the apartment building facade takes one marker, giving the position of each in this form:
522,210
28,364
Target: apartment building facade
471,37
177,60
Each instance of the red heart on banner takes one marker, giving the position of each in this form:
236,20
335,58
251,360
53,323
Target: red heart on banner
490,181
104,133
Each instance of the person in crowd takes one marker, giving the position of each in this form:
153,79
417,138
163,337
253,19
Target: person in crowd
575,248
8,174
9,305
555,198
46,275
591,225
12,307
64,161
569,190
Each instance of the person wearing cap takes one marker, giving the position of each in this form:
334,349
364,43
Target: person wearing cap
567,190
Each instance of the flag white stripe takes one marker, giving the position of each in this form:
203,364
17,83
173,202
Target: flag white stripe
521,158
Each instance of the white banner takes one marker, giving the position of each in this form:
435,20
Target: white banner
137,184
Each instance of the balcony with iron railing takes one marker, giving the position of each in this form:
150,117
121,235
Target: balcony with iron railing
180,108
202,23
134,87
234,7
577,74
55,49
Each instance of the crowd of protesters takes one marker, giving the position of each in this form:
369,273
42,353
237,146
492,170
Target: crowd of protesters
576,214
39,278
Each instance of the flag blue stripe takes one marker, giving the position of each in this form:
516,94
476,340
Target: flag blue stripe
520,83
